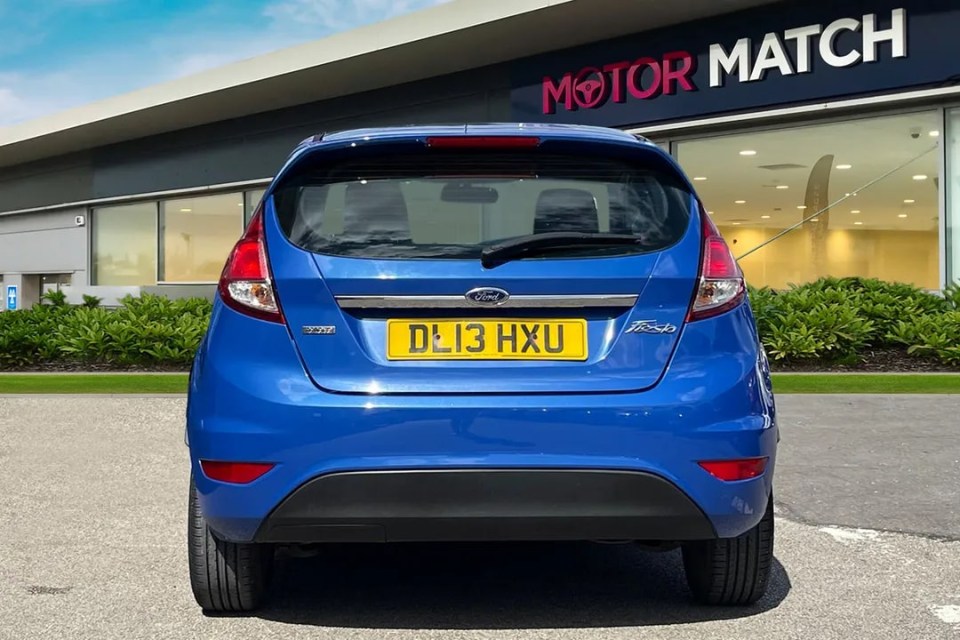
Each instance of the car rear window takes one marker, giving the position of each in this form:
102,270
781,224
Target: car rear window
451,206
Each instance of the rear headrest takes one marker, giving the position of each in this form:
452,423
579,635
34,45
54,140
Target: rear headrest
566,210
375,208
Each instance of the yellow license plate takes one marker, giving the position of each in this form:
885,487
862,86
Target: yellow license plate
487,339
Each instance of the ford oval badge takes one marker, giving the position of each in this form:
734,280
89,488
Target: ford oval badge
487,296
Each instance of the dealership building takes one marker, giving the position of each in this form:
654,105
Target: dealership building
824,138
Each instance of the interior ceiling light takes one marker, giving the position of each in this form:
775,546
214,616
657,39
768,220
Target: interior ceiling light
902,215
844,167
783,186
801,207
908,201
700,178
709,213
934,134
736,224
857,222
765,217
739,202
185,210
814,219
855,211
748,152
920,177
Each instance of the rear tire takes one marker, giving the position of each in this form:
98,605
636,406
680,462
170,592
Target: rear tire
225,576
731,571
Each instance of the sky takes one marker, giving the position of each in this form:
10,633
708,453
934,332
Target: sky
58,54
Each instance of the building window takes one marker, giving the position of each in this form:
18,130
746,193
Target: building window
197,235
124,245
252,199
854,198
952,186
54,281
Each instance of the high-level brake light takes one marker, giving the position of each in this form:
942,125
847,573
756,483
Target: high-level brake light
245,283
721,286
482,142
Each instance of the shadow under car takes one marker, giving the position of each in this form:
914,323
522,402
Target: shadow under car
492,586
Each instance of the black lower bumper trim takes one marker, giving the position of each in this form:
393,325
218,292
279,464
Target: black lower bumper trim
485,505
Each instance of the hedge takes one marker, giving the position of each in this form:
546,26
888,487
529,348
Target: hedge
830,320
150,330
835,319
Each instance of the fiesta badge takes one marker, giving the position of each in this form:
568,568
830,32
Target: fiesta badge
487,296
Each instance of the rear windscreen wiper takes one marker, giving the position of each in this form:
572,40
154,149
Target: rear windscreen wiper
540,243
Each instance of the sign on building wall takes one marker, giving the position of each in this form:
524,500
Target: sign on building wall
777,55
11,297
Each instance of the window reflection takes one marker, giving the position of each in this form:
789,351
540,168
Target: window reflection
125,245
197,236
252,200
856,198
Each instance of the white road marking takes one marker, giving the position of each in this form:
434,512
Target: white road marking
949,613
845,535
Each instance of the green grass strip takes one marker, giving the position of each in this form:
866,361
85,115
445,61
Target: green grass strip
782,383
94,383
880,383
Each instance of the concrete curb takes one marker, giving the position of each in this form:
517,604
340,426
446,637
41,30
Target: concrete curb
866,373
92,395
850,396
183,373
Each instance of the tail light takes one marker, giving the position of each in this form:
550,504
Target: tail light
721,285
732,470
245,283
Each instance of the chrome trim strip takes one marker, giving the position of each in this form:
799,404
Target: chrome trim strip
460,302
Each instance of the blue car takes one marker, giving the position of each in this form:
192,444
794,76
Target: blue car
494,332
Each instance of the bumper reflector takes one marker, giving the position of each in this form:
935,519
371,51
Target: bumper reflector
730,470
234,472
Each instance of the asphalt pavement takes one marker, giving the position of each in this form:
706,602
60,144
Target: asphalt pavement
93,525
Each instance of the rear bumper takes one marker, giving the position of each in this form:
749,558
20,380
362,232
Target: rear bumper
256,404
485,505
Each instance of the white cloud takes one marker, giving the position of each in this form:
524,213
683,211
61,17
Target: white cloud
12,106
176,52
331,16
24,96
181,57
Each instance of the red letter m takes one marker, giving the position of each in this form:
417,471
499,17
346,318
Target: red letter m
557,92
